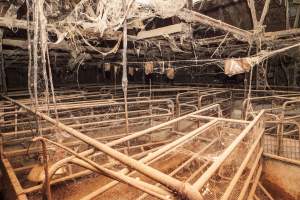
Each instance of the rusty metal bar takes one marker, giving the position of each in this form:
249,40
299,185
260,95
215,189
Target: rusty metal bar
167,181
209,173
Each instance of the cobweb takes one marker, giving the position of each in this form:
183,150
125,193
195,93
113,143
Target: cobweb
167,8
107,16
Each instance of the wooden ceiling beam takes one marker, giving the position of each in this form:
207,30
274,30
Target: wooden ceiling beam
280,34
10,22
195,17
167,30
64,46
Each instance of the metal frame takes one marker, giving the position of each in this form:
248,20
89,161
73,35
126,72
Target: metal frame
19,126
174,185
282,135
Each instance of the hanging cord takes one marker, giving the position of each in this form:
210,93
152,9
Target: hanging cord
250,85
249,93
251,78
150,88
150,105
58,135
77,72
115,81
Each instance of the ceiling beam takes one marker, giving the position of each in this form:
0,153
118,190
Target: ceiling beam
281,34
65,46
167,30
195,17
10,22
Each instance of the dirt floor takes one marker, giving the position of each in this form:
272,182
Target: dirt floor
277,192
79,188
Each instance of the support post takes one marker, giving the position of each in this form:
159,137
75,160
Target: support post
45,162
251,5
2,72
124,77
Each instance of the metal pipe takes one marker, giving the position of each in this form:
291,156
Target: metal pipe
66,178
185,163
254,184
184,189
156,155
137,134
243,165
91,165
211,170
250,176
45,162
238,174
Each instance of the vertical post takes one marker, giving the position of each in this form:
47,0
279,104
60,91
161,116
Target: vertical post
124,77
150,104
97,74
190,4
287,15
45,161
2,116
2,72
296,22
1,147
29,69
115,77
16,120
251,5
280,130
